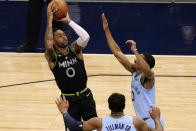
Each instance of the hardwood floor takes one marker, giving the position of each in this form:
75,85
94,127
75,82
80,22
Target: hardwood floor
30,106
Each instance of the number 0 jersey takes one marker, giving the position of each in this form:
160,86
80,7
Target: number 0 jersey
69,72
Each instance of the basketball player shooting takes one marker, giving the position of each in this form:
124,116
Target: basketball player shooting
67,65
143,78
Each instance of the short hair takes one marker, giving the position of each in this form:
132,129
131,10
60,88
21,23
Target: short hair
55,29
149,59
116,102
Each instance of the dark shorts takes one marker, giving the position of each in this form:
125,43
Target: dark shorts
82,106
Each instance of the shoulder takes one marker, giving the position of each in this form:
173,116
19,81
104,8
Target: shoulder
138,122
148,75
77,50
74,46
93,123
148,81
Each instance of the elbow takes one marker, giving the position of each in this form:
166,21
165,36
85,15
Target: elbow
82,41
49,49
49,46
117,53
86,38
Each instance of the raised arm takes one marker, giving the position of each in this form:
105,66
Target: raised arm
83,38
148,75
155,115
115,48
73,125
49,51
144,65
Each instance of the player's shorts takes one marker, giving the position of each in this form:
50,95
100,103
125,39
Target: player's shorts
82,106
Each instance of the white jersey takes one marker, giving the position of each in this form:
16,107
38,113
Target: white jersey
124,123
142,99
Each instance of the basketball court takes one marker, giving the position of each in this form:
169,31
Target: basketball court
165,29
28,90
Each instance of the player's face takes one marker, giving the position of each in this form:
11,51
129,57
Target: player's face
60,39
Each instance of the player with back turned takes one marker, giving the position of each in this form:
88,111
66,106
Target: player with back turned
116,121
67,65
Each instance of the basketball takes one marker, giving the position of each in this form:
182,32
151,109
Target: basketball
62,9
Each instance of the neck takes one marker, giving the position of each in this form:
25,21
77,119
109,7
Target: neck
117,114
138,72
63,50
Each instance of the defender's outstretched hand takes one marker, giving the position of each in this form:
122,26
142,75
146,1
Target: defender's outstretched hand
62,104
132,44
105,22
155,113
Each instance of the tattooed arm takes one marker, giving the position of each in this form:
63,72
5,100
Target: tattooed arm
49,52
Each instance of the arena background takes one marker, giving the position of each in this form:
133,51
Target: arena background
161,27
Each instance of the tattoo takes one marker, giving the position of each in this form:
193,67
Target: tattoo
49,43
49,33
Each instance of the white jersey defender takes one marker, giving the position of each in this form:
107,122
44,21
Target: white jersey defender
142,99
124,123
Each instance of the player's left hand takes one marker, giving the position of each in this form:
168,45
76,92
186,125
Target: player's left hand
62,104
155,113
66,19
132,44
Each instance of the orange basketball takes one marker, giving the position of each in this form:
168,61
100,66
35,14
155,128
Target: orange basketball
62,9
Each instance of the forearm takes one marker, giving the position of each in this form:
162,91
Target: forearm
141,61
71,123
49,35
111,42
83,35
158,125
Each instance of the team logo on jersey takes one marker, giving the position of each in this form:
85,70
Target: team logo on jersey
70,71
68,63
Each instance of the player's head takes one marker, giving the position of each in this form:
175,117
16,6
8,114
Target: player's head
116,102
148,58
60,38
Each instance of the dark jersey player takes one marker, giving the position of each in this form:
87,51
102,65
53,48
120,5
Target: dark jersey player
66,63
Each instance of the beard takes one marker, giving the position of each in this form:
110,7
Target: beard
62,45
